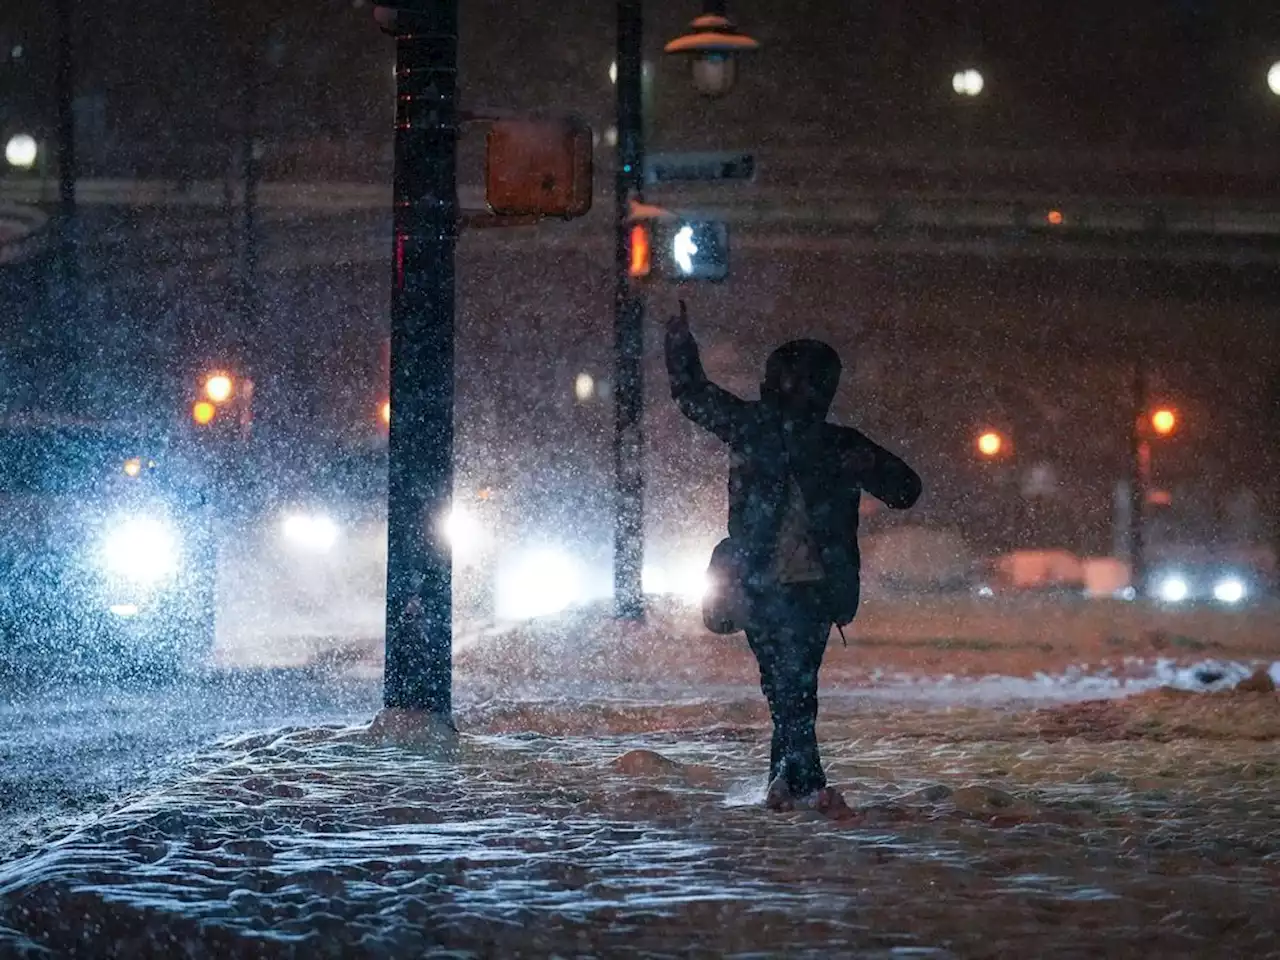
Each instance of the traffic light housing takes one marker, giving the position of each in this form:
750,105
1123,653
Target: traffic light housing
538,168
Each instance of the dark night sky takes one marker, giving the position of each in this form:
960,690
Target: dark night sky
1144,72
941,349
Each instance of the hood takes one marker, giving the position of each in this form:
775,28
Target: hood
800,379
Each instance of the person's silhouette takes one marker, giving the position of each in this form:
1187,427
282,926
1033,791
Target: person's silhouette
794,486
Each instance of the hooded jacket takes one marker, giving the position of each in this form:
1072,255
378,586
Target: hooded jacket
785,433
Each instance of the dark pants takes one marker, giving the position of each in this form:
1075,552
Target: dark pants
788,635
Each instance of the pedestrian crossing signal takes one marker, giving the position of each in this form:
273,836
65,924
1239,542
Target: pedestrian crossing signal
538,168
697,250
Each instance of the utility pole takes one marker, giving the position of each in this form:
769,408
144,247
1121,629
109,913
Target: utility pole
419,615
1139,477
628,544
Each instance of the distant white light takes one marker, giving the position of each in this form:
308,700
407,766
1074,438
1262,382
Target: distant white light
124,609
1229,590
17,51
684,249
1173,589
611,136
613,72
315,532
584,386
1273,78
21,151
967,83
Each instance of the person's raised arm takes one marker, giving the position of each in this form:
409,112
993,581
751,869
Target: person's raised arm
884,475
711,407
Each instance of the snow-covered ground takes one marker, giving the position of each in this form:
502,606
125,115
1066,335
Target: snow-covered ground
603,799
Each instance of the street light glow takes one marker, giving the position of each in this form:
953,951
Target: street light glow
613,72
1273,78
990,444
21,151
584,387
203,413
1164,421
967,83
218,388
384,413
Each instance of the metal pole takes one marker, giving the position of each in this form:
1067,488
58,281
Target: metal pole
419,655
628,541
1139,457
68,288
251,172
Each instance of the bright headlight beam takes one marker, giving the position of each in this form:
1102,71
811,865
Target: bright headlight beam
684,249
310,531
1173,589
1229,590
143,550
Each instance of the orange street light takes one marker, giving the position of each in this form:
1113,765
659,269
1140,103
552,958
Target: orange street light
1164,421
990,444
384,413
203,413
218,387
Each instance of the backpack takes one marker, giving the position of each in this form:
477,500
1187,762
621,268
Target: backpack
725,606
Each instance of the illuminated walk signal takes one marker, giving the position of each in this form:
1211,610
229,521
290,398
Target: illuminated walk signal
696,250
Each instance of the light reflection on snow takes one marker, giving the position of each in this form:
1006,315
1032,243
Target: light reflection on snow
606,799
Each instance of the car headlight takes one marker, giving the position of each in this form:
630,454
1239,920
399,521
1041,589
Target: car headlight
1229,590
1173,588
463,532
142,550
541,583
310,531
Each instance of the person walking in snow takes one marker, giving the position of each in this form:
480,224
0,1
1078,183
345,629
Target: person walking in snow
795,481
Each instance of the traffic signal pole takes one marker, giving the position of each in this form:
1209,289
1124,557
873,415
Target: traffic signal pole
419,615
628,541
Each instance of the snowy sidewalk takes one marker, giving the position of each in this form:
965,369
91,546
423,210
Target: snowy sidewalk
1145,826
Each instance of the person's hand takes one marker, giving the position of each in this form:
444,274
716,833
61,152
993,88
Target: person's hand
678,323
